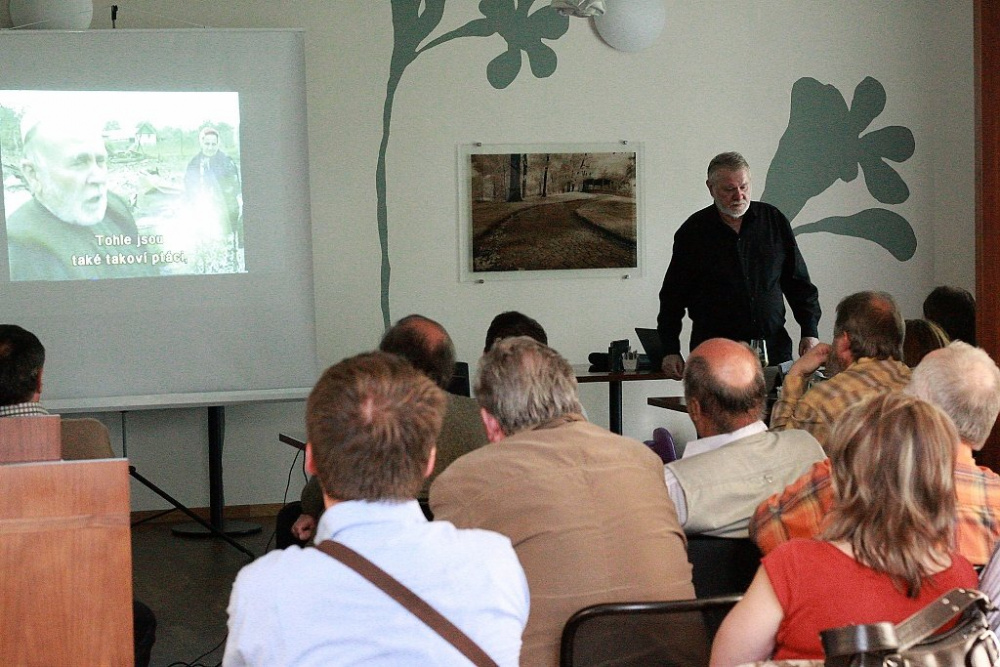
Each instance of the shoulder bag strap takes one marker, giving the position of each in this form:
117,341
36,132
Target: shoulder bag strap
925,622
413,602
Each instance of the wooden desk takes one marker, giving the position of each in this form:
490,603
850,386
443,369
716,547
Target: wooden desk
584,375
676,403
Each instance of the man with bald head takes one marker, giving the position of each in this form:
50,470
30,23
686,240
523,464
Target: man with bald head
72,227
427,345
736,462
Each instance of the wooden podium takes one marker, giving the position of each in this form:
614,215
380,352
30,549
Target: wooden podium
66,559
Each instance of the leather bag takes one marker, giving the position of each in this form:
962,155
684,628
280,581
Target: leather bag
912,643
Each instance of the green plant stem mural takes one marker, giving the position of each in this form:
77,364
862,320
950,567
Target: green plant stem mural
823,143
523,31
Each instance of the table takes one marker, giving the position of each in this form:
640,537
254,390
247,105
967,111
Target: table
676,403
584,375
294,439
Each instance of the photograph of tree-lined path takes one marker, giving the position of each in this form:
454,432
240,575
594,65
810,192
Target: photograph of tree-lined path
546,211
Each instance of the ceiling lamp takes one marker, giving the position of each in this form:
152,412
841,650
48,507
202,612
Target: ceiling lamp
631,25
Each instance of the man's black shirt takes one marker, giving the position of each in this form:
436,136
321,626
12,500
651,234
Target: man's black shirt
731,284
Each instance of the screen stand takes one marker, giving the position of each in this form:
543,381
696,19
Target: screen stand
216,437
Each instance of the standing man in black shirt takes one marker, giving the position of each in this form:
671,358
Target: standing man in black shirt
733,263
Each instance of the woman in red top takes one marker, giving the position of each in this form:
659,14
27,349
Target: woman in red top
885,552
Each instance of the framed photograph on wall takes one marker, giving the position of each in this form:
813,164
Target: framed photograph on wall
550,210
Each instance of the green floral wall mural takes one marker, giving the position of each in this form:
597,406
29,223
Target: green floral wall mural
824,143
413,21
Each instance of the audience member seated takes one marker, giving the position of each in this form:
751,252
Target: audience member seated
736,462
22,362
954,310
922,336
962,381
864,359
885,553
425,344
371,423
587,510
512,323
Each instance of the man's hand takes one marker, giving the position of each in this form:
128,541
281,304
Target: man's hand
673,366
807,364
304,527
806,344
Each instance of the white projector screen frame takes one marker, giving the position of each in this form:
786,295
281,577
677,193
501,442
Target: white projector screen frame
183,339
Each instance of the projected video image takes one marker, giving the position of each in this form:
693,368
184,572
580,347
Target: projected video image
121,184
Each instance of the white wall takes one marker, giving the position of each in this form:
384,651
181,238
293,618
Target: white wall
718,79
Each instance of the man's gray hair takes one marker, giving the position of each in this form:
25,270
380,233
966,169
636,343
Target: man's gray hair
964,382
523,383
731,161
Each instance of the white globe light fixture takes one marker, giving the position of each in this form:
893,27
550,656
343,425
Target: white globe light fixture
631,25
52,14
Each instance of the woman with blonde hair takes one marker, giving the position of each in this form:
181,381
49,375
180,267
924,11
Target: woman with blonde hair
885,551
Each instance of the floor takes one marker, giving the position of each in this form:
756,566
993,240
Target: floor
186,582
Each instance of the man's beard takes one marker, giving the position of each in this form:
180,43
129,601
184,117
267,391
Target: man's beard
737,212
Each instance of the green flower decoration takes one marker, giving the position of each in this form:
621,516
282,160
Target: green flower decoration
823,143
412,22
522,32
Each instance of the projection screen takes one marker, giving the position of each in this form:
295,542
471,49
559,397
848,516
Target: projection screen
155,220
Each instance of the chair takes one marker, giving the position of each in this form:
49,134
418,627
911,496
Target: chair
722,565
663,444
84,439
460,384
672,634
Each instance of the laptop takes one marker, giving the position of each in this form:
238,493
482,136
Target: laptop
650,341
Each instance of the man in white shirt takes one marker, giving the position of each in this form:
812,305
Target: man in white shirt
371,423
736,462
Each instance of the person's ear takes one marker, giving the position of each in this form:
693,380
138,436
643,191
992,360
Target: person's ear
431,460
30,173
310,461
494,433
38,387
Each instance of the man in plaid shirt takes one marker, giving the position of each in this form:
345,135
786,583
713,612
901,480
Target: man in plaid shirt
864,359
965,383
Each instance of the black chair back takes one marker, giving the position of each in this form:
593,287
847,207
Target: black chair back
460,384
678,633
722,565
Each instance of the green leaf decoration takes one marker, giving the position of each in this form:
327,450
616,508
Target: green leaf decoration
522,32
889,230
883,182
868,103
502,70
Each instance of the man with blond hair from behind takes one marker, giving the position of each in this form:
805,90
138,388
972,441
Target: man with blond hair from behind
371,423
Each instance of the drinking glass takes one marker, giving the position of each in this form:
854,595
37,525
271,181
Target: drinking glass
759,346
